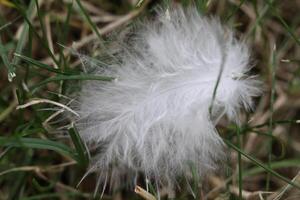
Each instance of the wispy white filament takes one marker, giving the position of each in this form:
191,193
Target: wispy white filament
154,118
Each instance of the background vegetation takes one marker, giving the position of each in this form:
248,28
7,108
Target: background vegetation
39,71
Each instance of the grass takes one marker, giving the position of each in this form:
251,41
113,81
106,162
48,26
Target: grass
272,98
38,162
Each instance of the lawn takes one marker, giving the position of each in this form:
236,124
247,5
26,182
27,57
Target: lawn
45,47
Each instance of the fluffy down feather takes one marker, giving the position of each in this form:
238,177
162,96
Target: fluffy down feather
154,117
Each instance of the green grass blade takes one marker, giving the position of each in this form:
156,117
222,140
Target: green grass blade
282,21
88,19
24,34
41,21
42,65
260,164
240,168
66,26
43,42
292,121
224,57
83,154
36,143
70,77
202,5
259,18
10,68
272,100
235,10
19,178
68,195
273,165
41,188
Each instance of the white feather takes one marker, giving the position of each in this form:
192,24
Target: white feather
154,117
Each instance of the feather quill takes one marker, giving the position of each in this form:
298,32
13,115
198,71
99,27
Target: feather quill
154,117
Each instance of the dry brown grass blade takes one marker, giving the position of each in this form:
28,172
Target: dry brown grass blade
105,30
143,193
278,195
38,101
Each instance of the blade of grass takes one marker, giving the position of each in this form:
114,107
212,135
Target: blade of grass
282,21
66,25
272,100
235,10
59,195
240,170
277,139
258,19
88,19
260,133
70,77
83,154
7,3
292,121
143,193
202,5
24,34
7,111
42,65
195,178
39,144
62,39
260,164
41,188
10,68
224,57
34,31
41,21
6,25
273,165
19,178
